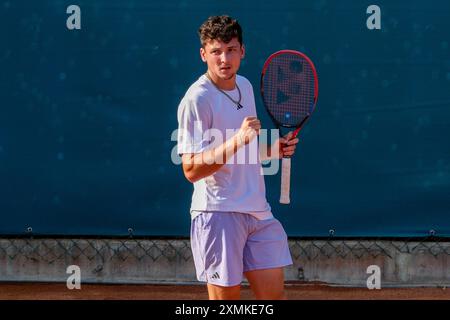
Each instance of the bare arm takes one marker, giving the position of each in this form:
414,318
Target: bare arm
200,165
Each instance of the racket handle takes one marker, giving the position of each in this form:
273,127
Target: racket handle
285,180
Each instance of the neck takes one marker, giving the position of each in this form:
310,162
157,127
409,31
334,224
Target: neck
224,84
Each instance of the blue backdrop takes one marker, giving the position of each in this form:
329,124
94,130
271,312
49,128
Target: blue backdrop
86,116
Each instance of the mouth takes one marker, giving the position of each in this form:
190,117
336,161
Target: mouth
225,68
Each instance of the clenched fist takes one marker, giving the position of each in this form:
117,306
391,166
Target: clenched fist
249,130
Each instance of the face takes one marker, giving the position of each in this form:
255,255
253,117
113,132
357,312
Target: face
223,60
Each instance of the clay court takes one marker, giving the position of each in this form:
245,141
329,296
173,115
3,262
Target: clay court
295,291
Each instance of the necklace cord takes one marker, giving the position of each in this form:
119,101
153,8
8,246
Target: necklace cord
237,103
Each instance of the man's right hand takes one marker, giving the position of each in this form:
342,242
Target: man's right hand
248,131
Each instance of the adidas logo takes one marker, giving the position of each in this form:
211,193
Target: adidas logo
215,276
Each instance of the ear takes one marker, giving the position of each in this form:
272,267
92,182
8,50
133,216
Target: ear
242,52
203,54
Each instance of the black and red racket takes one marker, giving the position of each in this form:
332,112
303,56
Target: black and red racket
289,90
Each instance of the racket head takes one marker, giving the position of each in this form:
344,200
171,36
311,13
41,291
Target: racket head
289,88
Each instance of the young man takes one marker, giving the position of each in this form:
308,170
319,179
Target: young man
233,232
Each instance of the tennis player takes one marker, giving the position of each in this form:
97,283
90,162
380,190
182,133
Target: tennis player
233,231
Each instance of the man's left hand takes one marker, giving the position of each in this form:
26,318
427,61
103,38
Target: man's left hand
287,145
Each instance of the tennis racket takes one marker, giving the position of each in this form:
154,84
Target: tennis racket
289,90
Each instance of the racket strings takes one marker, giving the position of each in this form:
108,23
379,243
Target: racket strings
289,89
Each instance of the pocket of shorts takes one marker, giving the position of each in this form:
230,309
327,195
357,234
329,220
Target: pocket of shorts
281,227
205,219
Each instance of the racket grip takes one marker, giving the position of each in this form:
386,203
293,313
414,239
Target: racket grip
285,180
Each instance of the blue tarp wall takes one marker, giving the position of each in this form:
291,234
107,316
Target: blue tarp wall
86,116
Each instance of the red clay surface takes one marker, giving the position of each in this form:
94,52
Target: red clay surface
59,291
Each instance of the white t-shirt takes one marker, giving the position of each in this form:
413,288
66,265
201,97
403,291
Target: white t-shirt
206,118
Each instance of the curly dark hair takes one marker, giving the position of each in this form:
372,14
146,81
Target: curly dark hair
223,28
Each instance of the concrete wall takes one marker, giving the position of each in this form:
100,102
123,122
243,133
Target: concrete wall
340,262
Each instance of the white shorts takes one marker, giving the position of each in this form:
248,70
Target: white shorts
227,244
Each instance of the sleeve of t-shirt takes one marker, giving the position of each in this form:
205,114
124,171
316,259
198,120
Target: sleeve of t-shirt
251,97
194,119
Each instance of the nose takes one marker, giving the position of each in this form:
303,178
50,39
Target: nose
224,57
